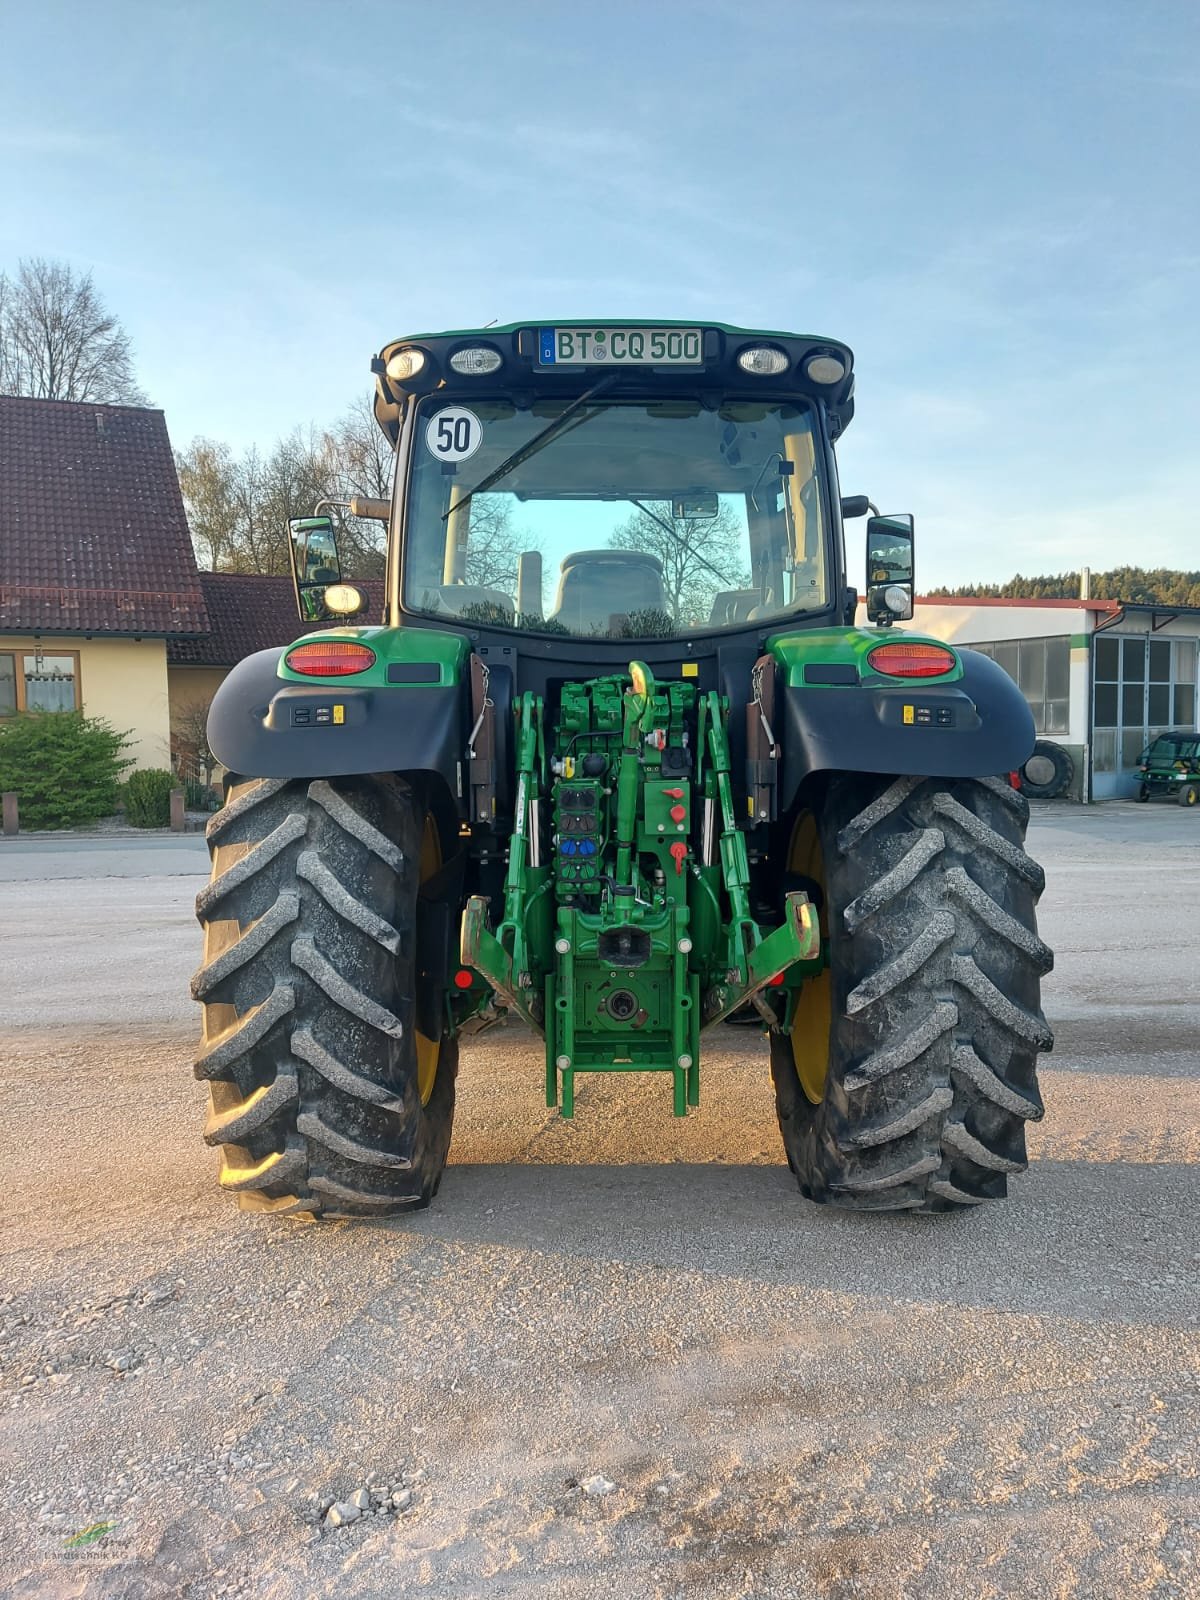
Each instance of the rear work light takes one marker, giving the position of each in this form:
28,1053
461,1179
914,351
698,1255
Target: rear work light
330,658
911,660
476,361
825,369
405,364
762,359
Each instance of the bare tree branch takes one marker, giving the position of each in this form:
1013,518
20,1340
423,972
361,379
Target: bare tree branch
699,556
239,507
58,341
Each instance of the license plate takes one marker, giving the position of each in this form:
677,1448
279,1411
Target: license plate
620,347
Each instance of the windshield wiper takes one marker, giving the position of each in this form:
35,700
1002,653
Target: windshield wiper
538,442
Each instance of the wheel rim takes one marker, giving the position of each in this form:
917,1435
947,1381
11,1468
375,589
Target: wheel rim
428,1050
1040,770
812,1018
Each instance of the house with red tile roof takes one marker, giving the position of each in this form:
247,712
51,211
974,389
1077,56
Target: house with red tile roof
101,606
97,573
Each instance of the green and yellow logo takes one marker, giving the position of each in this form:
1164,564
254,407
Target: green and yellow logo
89,1535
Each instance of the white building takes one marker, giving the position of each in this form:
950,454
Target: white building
1102,677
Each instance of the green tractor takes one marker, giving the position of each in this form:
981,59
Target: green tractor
619,762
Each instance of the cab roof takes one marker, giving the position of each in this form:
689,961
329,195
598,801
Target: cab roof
522,371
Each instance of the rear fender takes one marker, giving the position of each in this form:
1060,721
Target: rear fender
976,725
264,726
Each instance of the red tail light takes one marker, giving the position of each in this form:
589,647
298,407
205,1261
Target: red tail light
330,658
911,660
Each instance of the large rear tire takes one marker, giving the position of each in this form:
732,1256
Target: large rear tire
324,1097
909,1073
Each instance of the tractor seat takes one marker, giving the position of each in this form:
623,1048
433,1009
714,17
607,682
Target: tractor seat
595,585
732,606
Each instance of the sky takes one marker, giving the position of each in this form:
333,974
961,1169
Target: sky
993,203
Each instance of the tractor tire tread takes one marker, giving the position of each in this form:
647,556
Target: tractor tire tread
935,973
307,985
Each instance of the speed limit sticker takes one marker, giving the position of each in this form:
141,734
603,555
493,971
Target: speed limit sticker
453,434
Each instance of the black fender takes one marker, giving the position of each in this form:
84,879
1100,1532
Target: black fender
977,727
264,726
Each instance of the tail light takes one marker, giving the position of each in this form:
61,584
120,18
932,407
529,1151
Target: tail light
911,660
330,658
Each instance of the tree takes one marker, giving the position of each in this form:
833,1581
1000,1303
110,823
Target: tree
191,735
1158,586
494,544
700,556
58,341
207,478
239,506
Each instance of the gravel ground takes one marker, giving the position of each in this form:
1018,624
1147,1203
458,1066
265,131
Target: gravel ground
619,1355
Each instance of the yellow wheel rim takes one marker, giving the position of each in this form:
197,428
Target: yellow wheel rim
812,1018
428,1050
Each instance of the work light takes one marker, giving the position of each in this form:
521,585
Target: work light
764,360
405,364
476,361
825,368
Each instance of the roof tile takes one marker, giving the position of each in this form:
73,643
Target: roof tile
93,535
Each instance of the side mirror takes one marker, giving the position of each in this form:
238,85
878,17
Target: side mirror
890,588
316,565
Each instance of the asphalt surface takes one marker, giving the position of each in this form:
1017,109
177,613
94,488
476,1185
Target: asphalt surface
618,1356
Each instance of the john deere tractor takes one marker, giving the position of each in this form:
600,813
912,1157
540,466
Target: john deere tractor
619,761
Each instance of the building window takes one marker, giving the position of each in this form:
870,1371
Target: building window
1185,683
37,681
1142,687
1041,669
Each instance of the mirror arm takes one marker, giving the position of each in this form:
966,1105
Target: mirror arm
362,505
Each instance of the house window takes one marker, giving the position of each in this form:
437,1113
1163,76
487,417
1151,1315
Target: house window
1041,669
37,681
8,686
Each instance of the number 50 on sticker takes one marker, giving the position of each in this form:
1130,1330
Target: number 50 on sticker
453,434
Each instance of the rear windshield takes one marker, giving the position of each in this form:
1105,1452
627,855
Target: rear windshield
615,519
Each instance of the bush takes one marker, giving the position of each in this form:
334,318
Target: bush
148,797
66,768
